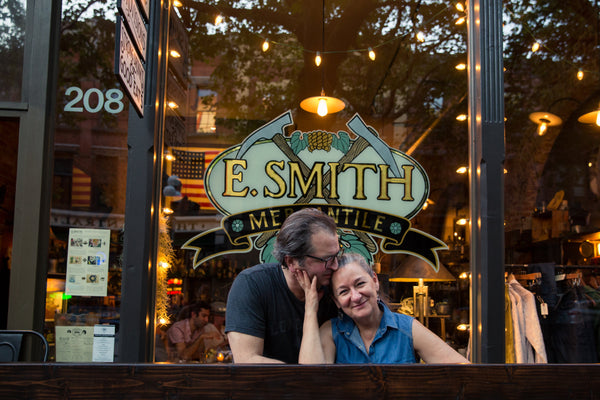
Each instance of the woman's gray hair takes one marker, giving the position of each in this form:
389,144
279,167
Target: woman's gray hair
294,237
349,258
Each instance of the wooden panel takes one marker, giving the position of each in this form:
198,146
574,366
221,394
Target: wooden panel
176,381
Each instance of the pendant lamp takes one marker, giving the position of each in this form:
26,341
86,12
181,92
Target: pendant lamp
322,105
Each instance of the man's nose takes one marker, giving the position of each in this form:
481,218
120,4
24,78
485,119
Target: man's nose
334,264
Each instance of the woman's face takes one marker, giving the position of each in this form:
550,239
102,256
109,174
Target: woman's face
355,291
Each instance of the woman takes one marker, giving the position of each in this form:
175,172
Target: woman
366,331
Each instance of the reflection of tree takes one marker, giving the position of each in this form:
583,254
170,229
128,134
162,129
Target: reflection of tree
12,40
87,48
406,80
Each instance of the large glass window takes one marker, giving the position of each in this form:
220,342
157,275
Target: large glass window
551,181
88,193
12,43
238,65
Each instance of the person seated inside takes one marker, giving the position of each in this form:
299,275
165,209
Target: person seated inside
192,336
366,330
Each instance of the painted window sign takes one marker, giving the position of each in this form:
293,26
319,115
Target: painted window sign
369,188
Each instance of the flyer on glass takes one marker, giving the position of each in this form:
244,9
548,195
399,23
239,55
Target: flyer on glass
87,262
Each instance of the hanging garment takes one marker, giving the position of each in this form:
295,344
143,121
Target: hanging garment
529,325
509,339
518,322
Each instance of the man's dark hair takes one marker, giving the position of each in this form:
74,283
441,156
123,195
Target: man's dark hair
293,239
186,312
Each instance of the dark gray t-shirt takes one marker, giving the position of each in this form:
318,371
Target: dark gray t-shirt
261,304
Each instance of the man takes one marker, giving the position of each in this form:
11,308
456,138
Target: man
193,335
265,306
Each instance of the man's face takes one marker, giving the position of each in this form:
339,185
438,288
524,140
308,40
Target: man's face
324,245
200,319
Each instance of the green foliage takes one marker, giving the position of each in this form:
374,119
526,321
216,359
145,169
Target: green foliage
298,142
352,244
341,141
266,253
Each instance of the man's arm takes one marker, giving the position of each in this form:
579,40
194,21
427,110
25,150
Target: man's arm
191,352
247,349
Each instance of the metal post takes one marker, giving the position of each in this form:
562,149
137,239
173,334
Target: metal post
486,159
143,177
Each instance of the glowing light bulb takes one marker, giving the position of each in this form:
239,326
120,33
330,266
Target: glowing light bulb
598,118
535,47
460,7
460,21
265,45
172,105
462,170
420,37
174,54
177,3
371,54
543,127
318,59
461,221
580,74
322,107
218,19
461,66
461,117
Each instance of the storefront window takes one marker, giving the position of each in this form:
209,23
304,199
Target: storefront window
237,67
88,193
12,43
551,180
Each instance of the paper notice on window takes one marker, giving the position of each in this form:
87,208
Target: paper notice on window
87,262
74,343
104,343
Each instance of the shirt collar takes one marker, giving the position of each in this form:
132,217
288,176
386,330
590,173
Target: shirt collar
388,321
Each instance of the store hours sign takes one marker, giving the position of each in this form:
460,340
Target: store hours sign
370,189
130,52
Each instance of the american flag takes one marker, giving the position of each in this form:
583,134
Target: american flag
81,189
189,166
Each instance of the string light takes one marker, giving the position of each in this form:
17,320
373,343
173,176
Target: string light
174,54
371,54
420,36
318,59
265,45
462,170
177,3
218,19
172,105
461,66
580,74
460,21
461,117
460,7
535,47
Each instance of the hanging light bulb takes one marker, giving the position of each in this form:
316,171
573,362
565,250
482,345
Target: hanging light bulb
420,36
591,117
177,3
544,120
461,117
322,107
371,54
461,66
460,21
174,54
580,74
318,59
265,45
460,7
535,47
218,19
